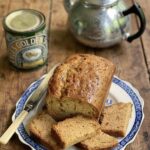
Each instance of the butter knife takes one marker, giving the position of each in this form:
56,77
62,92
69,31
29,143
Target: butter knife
32,102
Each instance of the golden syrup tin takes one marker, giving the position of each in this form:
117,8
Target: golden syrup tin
26,38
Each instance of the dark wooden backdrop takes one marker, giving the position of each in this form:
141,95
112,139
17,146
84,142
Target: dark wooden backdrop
132,61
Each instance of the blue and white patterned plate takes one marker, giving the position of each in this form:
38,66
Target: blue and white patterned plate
120,91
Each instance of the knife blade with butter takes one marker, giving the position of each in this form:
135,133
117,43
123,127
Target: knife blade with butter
32,102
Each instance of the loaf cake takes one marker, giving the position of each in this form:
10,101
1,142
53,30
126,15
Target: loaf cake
40,129
101,141
116,118
79,86
74,130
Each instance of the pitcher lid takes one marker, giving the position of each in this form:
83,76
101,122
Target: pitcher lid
101,2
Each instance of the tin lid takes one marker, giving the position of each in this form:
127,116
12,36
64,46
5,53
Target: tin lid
24,21
102,3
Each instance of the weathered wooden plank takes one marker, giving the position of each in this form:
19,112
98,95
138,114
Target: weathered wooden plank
146,36
3,100
128,58
145,91
13,82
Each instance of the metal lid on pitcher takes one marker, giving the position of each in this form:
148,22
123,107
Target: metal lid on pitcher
101,3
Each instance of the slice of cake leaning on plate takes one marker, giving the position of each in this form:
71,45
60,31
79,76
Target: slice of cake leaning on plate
115,119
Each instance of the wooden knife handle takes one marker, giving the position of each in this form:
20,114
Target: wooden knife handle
13,127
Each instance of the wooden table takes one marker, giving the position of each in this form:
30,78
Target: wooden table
132,61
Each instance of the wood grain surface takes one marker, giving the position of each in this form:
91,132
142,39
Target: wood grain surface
132,61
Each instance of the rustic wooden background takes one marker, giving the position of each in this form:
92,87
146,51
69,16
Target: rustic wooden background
132,61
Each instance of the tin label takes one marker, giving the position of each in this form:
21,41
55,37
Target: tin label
27,52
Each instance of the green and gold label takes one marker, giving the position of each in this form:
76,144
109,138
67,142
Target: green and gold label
27,52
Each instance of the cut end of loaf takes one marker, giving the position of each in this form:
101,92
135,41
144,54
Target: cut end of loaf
63,108
82,77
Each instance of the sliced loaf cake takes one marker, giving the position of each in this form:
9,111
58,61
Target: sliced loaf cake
115,119
74,130
40,129
101,141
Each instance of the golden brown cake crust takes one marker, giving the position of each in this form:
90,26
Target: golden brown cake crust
84,77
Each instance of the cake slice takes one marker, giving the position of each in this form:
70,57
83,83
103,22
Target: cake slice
74,130
116,119
101,141
40,129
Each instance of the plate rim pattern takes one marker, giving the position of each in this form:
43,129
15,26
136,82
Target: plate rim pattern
126,86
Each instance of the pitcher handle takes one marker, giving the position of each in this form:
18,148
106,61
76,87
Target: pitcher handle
68,4
137,10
